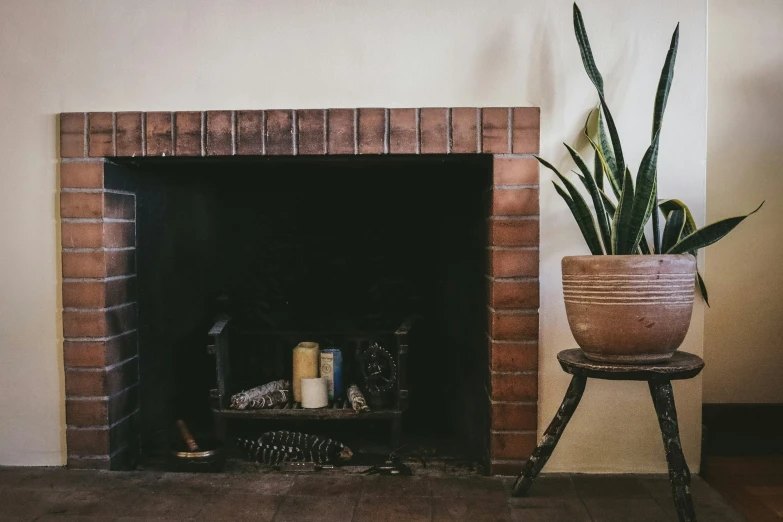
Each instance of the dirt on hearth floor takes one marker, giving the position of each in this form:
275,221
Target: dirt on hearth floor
55,494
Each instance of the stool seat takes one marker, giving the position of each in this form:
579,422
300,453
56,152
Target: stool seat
682,365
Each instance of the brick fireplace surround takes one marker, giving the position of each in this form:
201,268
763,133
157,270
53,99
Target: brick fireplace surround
99,236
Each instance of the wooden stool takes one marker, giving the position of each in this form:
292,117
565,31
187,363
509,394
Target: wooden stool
682,365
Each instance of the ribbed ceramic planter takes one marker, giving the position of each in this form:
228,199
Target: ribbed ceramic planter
629,309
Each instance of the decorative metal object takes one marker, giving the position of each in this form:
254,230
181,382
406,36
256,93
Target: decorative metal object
241,400
356,398
378,369
276,447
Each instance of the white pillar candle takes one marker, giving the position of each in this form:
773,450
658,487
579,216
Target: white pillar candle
314,393
305,365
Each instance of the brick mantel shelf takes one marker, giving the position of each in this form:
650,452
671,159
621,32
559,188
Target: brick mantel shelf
98,221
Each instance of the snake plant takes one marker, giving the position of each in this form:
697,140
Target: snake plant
624,208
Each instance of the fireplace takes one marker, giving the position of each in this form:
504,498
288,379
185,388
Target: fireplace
171,218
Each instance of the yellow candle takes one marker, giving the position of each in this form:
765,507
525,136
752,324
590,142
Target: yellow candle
305,366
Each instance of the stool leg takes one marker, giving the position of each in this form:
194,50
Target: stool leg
679,475
551,436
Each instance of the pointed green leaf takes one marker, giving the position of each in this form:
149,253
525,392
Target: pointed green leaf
672,232
665,82
669,205
622,218
598,204
600,156
586,52
607,150
702,288
708,235
579,209
644,198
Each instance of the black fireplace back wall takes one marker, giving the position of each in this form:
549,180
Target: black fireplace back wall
316,245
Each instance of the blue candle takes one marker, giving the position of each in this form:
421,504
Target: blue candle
332,371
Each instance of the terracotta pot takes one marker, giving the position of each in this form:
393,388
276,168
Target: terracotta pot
629,309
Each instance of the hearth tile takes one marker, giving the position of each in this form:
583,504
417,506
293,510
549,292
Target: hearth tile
101,137
372,131
279,133
72,136
159,134
512,445
550,510
513,262
513,387
129,134
505,294
344,485
86,412
296,508
87,441
81,204
238,507
403,134
311,126
341,132
514,416
494,130
508,356
250,132
81,174
515,202
468,510
609,486
513,232
434,131
381,486
188,135
625,510
163,507
219,133
526,130
464,130
483,488
547,485
513,326
514,171
392,509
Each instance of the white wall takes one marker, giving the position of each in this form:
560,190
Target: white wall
743,344
172,55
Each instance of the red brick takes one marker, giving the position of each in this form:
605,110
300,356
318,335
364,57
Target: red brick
526,130
402,131
514,387
79,174
188,133
101,137
87,441
279,133
505,295
159,134
86,412
129,134
515,202
513,326
312,131
372,131
341,131
96,235
101,382
99,323
515,171
95,354
507,445
98,294
506,468
88,462
72,134
434,131
514,416
513,357
494,130
99,263
123,404
464,131
513,232
81,204
513,262
250,132
119,206
219,133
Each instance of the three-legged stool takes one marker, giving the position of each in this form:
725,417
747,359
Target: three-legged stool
682,365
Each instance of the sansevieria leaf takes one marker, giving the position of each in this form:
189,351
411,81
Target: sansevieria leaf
708,235
622,217
665,82
579,209
702,288
608,152
590,184
672,232
600,157
644,196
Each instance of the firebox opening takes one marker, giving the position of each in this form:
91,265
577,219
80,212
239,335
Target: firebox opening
340,251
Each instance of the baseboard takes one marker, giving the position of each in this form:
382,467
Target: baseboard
742,429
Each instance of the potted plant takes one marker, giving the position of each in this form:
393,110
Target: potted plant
630,301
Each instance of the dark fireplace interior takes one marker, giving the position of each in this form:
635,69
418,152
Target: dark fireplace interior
329,250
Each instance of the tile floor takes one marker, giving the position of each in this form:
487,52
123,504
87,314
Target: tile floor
753,485
36,494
